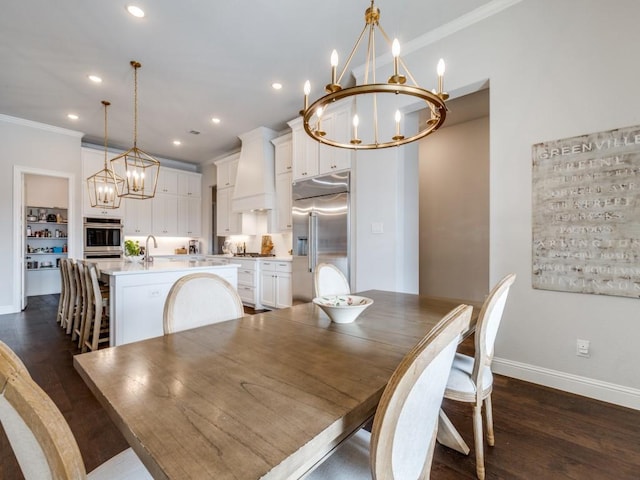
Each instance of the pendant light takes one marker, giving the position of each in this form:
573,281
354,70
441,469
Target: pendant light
367,95
104,185
138,169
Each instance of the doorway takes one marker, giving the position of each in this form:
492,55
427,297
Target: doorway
454,202
39,188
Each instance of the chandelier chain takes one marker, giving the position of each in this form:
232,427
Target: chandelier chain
106,104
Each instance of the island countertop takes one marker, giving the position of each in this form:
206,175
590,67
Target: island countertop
124,267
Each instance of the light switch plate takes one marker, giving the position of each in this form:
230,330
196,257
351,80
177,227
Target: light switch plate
377,227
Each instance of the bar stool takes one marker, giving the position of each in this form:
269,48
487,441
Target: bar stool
96,330
63,303
80,317
67,319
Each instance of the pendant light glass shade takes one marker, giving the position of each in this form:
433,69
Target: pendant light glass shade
103,186
138,169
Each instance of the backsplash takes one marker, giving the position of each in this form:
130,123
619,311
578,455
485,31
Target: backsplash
281,243
166,245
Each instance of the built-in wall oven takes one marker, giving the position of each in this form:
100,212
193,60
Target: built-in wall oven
103,237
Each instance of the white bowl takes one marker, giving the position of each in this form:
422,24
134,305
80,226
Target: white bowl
343,308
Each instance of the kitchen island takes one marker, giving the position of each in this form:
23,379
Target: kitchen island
137,292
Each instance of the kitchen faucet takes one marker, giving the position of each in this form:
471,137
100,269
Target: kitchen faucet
148,258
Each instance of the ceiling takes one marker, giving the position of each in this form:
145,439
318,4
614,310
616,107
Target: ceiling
199,60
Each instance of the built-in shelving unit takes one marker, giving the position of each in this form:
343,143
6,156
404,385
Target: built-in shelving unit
45,244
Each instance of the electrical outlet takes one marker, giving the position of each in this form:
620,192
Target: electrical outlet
582,348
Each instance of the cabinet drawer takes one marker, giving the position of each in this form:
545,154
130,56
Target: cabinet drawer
247,293
245,264
246,277
283,267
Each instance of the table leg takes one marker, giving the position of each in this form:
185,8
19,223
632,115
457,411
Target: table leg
449,436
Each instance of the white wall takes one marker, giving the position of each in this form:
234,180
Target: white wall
39,147
454,211
43,191
556,69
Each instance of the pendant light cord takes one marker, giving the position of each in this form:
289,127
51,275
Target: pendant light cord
106,104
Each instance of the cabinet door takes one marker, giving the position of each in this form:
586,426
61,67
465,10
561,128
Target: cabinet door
267,288
283,202
284,290
165,215
189,184
189,216
92,163
283,156
227,222
167,181
305,154
137,219
226,173
332,159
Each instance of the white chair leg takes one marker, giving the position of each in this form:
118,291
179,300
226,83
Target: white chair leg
478,440
488,412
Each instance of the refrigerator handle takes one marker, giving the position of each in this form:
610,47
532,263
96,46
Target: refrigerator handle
313,241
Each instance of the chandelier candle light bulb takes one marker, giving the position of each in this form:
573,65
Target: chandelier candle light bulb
398,117
356,121
306,90
440,70
333,86
319,131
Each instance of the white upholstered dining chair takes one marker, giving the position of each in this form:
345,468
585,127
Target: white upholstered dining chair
329,280
200,299
402,440
471,380
40,437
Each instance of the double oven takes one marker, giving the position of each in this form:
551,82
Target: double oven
103,238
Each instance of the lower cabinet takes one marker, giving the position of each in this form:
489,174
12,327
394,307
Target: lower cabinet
275,284
248,282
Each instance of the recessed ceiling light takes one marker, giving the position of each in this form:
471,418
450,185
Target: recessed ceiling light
276,86
95,78
215,120
135,11
177,142
72,116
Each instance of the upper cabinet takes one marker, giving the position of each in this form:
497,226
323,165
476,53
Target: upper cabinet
167,181
92,163
189,184
312,158
283,151
227,169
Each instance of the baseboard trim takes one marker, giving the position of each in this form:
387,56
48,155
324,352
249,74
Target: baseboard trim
587,387
5,309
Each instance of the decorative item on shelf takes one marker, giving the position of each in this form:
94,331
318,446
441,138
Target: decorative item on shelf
104,185
367,94
138,169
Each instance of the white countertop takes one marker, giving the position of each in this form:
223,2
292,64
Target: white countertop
124,267
282,258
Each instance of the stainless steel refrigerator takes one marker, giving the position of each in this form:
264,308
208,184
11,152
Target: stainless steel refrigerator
320,229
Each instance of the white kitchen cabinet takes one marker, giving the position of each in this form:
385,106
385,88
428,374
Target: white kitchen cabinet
165,215
92,163
138,217
304,151
189,184
248,281
189,217
227,222
333,159
167,181
283,154
283,202
226,170
275,284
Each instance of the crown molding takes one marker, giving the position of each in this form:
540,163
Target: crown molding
40,126
437,34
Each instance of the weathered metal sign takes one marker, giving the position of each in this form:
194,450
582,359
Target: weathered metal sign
586,213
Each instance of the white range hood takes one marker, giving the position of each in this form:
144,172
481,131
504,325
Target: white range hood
255,181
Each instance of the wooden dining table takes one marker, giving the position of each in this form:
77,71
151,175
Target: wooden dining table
265,396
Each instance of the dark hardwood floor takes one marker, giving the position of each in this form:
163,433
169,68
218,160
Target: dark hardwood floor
540,433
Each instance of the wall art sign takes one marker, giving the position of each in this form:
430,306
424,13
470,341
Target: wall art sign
586,213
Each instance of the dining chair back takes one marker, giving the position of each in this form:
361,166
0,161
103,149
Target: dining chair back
404,429
67,319
11,359
41,439
329,280
471,380
81,312
200,299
